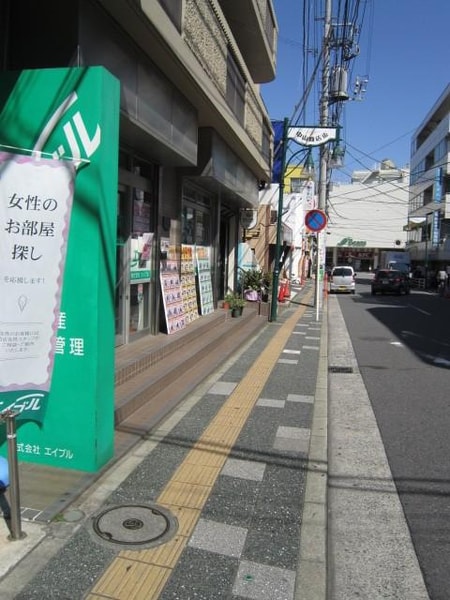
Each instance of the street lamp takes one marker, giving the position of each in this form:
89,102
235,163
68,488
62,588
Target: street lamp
309,164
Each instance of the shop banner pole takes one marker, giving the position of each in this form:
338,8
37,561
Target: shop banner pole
276,269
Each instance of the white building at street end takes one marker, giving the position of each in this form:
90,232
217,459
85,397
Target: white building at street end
367,216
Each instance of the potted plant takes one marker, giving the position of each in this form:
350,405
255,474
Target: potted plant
251,284
255,284
237,304
227,301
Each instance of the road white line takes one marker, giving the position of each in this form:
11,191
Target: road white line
424,312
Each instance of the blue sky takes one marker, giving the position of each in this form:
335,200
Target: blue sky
404,51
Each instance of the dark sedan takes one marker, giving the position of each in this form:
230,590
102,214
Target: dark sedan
390,281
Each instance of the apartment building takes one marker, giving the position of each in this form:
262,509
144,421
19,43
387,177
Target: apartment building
194,135
429,194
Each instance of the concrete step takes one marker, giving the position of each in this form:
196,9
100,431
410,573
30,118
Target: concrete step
177,368
138,356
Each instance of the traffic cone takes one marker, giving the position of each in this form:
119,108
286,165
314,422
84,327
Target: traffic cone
287,289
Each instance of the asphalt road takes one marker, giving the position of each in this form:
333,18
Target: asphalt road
402,346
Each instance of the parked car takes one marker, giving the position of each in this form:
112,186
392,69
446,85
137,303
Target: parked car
342,279
390,281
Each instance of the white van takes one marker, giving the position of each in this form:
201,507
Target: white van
342,279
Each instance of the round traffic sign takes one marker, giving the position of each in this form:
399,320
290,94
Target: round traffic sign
315,219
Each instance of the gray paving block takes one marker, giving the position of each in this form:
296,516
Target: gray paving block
292,439
222,388
244,469
300,398
271,403
219,538
263,582
201,575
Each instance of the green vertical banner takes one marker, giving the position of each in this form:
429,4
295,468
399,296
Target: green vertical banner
55,116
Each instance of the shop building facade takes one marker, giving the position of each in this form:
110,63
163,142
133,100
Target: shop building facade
195,137
429,195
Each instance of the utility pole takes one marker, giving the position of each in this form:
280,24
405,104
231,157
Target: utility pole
323,168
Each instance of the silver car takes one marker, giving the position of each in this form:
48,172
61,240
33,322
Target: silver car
342,279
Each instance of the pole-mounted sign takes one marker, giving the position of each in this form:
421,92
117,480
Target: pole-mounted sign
312,136
316,220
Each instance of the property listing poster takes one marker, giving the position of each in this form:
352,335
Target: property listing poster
171,289
141,257
204,279
35,206
188,283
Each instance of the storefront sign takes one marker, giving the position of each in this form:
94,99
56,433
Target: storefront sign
73,115
438,185
351,243
35,204
249,218
436,228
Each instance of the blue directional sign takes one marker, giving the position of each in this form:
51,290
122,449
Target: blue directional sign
315,219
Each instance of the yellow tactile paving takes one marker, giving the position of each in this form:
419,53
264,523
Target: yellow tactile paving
142,574
131,580
184,493
218,435
187,518
196,473
234,417
201,456
163,555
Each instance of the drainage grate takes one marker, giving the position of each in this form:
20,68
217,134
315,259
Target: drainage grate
134,526
336,369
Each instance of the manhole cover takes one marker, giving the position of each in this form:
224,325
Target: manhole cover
340,369
134,526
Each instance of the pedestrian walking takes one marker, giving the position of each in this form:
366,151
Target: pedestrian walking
442,280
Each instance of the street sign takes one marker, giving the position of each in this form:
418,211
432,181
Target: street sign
312,136
316,219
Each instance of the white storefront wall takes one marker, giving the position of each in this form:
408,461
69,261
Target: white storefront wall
371,217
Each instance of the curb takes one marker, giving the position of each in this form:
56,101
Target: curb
311,583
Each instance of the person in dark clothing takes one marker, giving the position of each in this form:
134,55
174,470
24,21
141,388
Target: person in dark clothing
4,483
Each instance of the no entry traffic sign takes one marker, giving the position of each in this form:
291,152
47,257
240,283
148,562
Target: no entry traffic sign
315,219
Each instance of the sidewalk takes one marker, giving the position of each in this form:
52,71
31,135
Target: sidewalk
228,479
